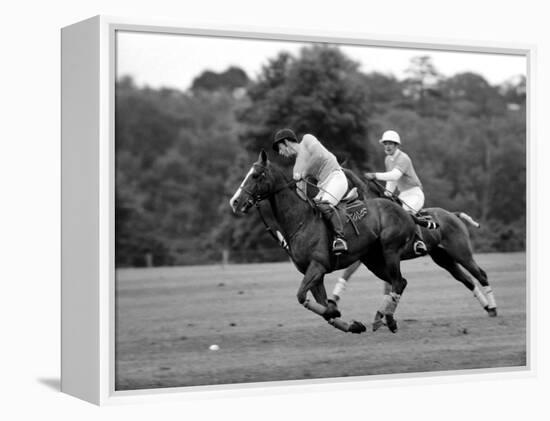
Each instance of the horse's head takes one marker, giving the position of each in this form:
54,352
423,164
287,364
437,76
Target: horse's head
258,184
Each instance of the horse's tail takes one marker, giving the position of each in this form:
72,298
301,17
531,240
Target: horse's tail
468,219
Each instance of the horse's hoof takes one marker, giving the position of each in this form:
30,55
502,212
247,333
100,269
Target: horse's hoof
492,311
332,311
378,321
391,323
356,327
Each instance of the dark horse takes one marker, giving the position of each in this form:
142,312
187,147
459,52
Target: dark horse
379,239
449,246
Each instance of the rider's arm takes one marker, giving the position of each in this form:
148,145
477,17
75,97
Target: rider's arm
392,175
300,165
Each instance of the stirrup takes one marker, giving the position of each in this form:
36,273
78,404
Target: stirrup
339,246
419,248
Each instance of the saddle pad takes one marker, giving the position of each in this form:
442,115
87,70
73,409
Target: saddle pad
355,211
350,196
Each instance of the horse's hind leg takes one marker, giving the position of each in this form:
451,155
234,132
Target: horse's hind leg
471,266
341,283
446,261
456,242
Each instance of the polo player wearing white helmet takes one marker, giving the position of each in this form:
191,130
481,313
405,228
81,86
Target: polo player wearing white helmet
400,173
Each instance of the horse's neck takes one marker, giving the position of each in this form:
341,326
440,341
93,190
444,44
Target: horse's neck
368,188
372,191
289,210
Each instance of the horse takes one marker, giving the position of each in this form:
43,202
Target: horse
379,238
449,246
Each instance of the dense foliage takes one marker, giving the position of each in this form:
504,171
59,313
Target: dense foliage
181,155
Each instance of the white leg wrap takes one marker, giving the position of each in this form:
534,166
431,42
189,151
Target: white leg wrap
339,288
490,296
480,297
389,303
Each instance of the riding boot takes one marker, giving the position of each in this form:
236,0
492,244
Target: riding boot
419,246
332,216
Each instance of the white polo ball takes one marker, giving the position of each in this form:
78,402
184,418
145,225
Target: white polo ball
214,347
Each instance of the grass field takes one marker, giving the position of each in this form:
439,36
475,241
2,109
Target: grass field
166,319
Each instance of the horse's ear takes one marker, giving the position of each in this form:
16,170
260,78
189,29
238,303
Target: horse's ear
263,156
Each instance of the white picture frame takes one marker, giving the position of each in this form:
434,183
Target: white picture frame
88,305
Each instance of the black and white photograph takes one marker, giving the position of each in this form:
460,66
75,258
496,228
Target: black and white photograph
296,211
275,211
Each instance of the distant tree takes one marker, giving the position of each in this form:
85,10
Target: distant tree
470,94
421,86
173,155
514,92
229,80
383,92
320,92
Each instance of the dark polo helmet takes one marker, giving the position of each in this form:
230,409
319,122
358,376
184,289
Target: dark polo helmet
283,134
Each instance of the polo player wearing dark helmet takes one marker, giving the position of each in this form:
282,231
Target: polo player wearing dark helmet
314,160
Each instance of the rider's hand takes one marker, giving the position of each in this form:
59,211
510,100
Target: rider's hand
297,176
370,176
388,193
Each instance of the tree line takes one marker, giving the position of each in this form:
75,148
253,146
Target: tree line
180,155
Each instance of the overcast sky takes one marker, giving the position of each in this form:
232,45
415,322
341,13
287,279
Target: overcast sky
173,61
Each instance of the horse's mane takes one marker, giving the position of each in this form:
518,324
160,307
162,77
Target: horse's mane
305,193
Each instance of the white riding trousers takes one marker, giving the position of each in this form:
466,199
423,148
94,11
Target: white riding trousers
413,199
333,188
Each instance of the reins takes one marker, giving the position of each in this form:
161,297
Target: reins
257,199
393,196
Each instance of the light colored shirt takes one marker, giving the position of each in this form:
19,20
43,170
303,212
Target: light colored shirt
400,172
314,160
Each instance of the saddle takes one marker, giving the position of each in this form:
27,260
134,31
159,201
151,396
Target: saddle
352,208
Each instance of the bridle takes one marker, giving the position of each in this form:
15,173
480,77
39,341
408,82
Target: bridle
255,197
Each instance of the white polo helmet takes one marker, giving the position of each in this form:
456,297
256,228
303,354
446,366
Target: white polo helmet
390,136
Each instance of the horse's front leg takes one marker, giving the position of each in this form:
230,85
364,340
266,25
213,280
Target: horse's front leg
312,278
388,269
320,294
391,300
313,281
